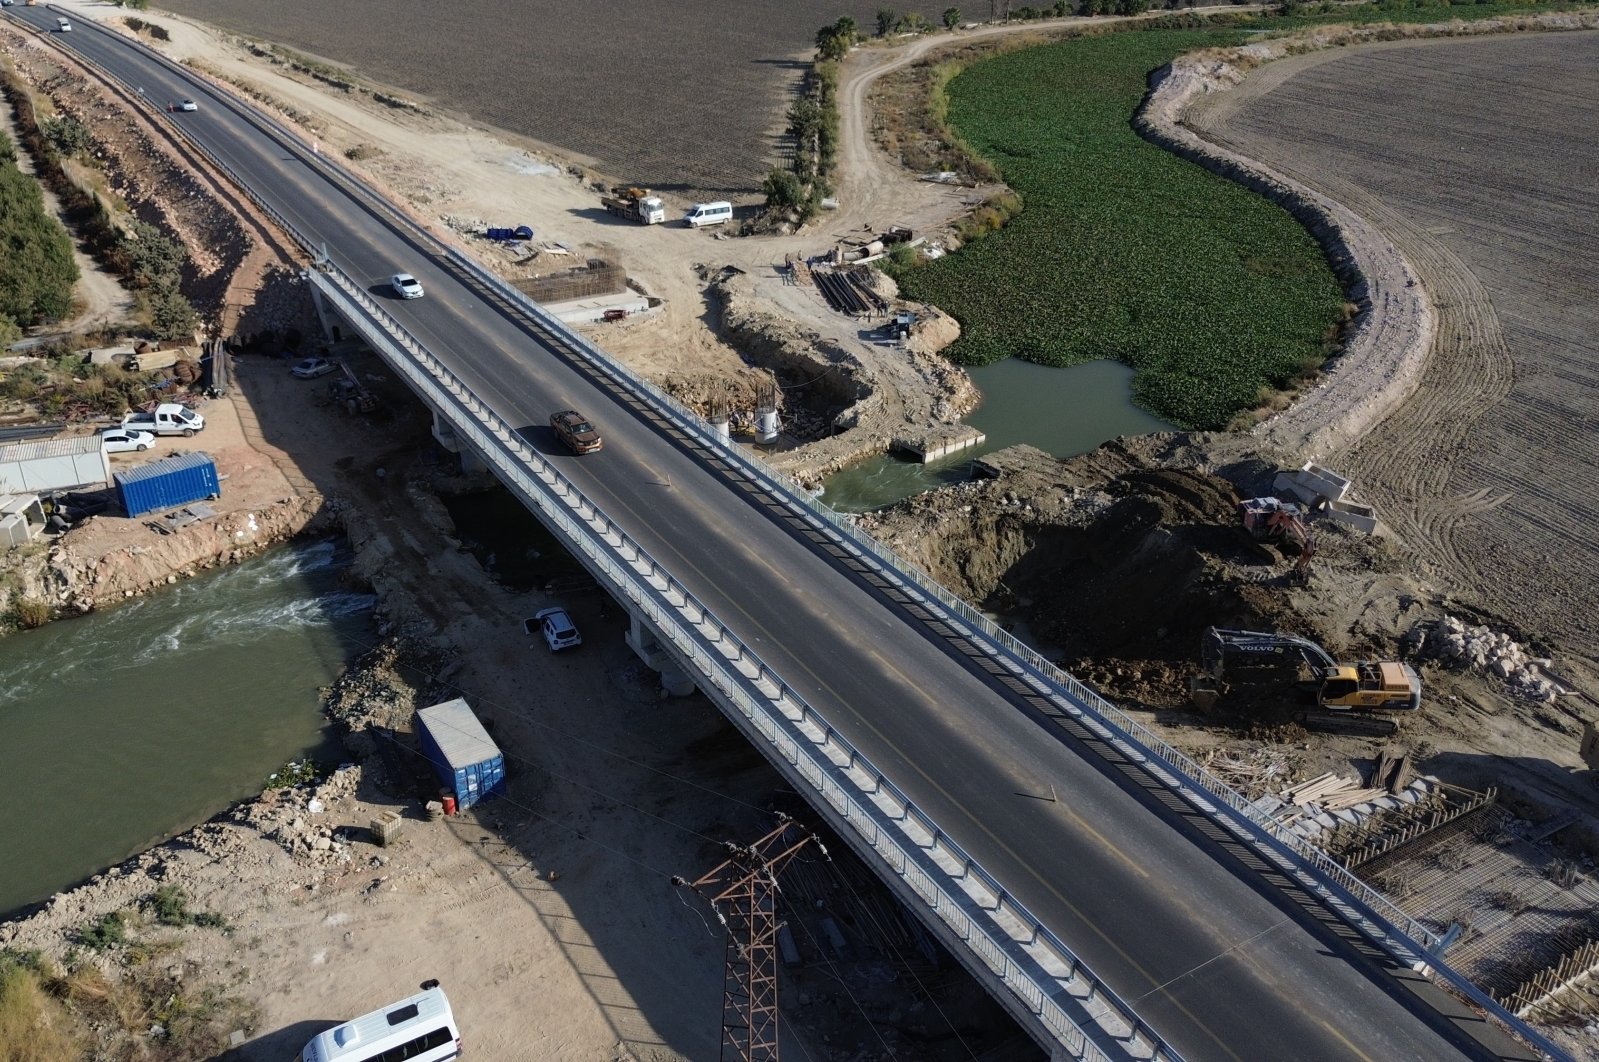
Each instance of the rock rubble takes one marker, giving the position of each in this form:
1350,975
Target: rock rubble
1463,647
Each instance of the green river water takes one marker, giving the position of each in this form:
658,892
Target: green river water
1061,411
125,726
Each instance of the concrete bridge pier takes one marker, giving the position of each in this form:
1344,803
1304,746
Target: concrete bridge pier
330,330
445,436
642,640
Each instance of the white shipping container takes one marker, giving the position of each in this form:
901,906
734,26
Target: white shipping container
54,464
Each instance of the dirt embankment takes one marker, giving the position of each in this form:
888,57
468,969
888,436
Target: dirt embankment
1119,559
138,169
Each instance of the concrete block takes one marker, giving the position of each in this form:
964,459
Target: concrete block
1362,518
1286,483
1324,481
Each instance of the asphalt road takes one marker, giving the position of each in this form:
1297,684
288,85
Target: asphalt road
1225,964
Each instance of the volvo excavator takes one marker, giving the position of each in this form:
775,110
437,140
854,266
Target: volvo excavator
1341,690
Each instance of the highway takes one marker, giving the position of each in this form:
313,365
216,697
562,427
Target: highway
1223,963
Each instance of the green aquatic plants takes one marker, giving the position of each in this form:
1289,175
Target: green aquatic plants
1124,251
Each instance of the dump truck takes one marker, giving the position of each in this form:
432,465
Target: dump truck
1339,689
168,418
635,204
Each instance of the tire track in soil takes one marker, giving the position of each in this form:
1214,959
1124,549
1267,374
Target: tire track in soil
1404,464
1485,473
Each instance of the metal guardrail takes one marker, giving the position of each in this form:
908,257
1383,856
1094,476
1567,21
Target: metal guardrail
1387,925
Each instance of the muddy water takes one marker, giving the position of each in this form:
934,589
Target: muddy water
1061,411
125,726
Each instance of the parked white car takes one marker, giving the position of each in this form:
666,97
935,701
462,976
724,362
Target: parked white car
125,440
311,368
557,628
406,286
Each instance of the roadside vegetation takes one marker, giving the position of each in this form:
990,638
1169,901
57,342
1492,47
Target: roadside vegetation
148,260
36,271
59,385
1215,296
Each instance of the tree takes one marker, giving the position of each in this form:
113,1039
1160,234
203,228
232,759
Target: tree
834,42
952,18
887,19
783,189
171,315
829,45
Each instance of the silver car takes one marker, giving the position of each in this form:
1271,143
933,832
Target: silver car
406,286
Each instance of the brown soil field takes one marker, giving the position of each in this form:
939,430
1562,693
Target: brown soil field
687,96
1475,157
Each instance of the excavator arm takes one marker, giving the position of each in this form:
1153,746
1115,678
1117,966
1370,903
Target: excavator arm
1223,647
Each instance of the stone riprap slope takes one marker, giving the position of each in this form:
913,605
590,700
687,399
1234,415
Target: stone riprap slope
1475,157
682,95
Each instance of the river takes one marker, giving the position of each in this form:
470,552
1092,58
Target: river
1064,412
128,725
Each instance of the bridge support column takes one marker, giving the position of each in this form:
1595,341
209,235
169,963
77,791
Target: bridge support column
329,329
643,641
445,436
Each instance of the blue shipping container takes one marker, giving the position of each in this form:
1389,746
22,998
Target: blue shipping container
463,755
167,483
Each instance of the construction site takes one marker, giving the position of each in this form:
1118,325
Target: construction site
1285,615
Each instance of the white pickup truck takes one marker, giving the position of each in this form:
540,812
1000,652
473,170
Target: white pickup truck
169,418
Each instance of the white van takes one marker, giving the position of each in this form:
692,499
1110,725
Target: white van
702,214
418,1029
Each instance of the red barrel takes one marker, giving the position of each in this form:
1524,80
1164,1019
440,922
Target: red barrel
449,803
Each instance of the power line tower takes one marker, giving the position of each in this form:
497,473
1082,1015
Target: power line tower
743,892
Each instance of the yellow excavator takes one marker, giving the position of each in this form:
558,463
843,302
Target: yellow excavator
1340,689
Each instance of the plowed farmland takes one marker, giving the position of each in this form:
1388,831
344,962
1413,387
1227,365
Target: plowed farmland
1477,158
682,95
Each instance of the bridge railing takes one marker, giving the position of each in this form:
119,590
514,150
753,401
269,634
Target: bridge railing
1404,936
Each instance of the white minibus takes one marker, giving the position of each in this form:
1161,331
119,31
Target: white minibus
418,1029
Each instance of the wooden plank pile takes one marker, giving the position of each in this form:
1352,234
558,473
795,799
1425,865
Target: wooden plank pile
1331,792
1391,772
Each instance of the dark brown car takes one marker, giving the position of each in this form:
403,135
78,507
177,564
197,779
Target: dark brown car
576,432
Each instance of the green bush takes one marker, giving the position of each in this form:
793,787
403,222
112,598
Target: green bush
109,931
150,254
68,136
170,906
293,773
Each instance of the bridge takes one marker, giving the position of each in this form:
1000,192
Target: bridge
1141,911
